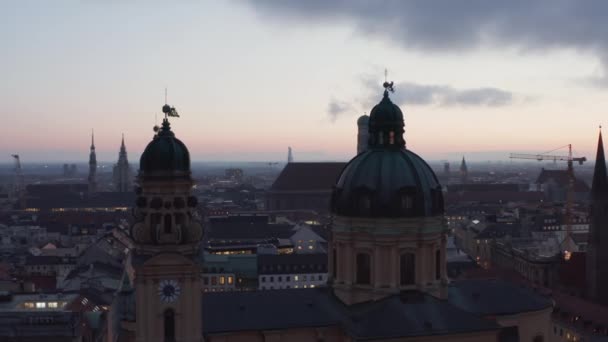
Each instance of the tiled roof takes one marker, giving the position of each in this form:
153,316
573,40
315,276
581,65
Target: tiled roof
415,314
493,196
308,177
494,297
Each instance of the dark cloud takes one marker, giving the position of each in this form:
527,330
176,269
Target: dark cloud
448,25
413,94
441,95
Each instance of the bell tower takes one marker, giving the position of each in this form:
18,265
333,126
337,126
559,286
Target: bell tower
166,236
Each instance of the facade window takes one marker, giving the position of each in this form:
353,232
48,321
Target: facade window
304,277
222,280
296,278
320,277
40,305
205,281
263,279
438,265
335,263
169,324
53,305
213,280
363,268
168,223
28,305
280,279
230,280
407,269
271,279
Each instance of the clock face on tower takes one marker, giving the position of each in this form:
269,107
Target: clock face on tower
168,290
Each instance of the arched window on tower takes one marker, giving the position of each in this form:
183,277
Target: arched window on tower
364,265
438,265
391,138
407,267
169,325
168,229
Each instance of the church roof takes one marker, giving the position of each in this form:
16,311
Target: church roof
494,297
320,176
413,314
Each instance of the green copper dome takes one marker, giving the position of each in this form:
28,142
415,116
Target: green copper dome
387,180
165,155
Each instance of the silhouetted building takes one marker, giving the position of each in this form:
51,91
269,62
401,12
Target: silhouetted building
555,185
597,248
122,171
92,167
289,155
464,171
303,186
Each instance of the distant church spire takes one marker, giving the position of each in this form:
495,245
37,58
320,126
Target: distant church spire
123,176
464,171
600,178
92,180
597,244
289,155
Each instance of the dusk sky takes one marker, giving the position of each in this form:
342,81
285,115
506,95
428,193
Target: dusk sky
250,78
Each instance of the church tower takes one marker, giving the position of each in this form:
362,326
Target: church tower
464,171
122,171
597,248
166,237
92,167
362,133
388,233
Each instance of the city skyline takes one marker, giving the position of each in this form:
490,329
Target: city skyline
250,79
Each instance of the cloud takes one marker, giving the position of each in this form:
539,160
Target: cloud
447,25
337,108
413,94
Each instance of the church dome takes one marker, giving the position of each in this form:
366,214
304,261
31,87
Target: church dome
363,120
387,180
165,155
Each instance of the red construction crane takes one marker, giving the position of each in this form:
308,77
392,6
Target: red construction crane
571,180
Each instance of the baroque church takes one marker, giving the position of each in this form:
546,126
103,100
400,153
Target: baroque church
387,261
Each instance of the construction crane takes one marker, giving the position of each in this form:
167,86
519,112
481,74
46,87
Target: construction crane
18,188
571,180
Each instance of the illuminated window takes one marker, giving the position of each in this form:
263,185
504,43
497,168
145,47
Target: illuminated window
28,305
230,280
222,280
53,305
312,286
40,305
296,278
310,247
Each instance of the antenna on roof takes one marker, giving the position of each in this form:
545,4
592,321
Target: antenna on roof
165,95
